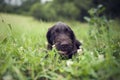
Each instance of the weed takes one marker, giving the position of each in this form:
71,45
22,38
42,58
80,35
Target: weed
23,55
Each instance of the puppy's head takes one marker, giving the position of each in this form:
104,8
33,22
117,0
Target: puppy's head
62,37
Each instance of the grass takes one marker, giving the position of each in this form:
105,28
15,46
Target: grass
23,54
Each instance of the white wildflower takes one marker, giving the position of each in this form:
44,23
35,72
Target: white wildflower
101,56
91,53
80,51
20,49
69,63
53,46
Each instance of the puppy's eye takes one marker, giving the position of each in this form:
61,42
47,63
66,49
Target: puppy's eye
66,29
57,30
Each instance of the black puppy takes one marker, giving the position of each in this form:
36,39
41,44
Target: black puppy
63,38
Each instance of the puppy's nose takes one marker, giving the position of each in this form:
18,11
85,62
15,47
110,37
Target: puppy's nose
64,44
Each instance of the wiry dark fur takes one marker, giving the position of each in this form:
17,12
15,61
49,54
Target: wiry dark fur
63,38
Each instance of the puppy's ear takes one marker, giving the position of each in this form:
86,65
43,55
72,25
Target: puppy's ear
49,36
78,44
72,34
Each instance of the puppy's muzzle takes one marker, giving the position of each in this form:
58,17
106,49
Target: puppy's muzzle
65,46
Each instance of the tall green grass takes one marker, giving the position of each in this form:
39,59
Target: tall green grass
23,53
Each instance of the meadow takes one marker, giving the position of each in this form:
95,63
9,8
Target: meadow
23,53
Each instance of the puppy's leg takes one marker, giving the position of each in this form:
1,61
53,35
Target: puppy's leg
49,46
77,45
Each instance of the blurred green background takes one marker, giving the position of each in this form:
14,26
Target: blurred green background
54,10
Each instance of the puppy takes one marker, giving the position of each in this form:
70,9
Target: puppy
62,36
